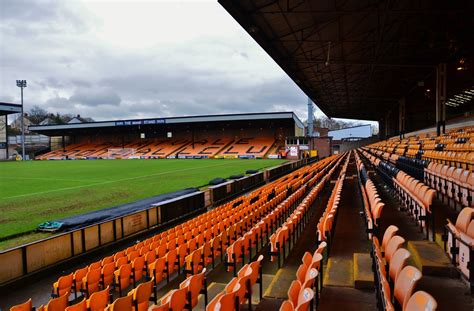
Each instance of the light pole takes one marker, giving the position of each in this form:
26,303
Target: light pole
22,84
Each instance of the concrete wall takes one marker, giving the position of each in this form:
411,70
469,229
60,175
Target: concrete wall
322,145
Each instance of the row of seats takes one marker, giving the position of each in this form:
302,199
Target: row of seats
292,227
168,148
415,197
161,254
459,244
243,246
455,148
184,298
396,281
325,223
373,205
455,183
239,290
301,291
304,290
463,160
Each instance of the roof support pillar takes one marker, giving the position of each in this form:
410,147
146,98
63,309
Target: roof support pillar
310,117
441,74
387,124
382,128
401,118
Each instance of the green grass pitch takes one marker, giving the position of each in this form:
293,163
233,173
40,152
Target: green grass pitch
36,191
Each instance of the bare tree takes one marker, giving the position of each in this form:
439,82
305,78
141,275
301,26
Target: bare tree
333,124
37,114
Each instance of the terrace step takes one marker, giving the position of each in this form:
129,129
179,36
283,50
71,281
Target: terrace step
280,283
339,272
363,274
431,259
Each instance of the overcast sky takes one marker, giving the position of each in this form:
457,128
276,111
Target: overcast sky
137,59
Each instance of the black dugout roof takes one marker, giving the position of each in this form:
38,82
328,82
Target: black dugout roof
356,58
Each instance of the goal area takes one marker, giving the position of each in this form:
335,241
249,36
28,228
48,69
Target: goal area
120,153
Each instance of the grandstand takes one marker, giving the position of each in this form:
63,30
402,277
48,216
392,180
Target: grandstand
258,135
388,225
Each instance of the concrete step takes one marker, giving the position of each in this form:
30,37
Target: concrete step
278,287
212,290
339,272
363,274
430,258
269,304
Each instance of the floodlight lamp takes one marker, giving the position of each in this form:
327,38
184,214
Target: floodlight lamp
21,83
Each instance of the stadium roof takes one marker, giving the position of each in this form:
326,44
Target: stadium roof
358,58
44,129
7,108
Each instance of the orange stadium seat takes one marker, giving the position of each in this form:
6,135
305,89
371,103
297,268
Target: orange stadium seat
398,262
121,304
405,284
98,301
26,306
58,304
80,306
421,301
91,282
141,295
63,285
123,276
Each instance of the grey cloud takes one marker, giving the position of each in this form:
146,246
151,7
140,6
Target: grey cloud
6,98
31,17
87,99
81,83
95,97
57,102
243,54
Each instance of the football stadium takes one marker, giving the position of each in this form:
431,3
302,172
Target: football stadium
260,210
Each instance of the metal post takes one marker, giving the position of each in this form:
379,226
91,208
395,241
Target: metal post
22,84
6,135
401,117
310,118
22,128
441,73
